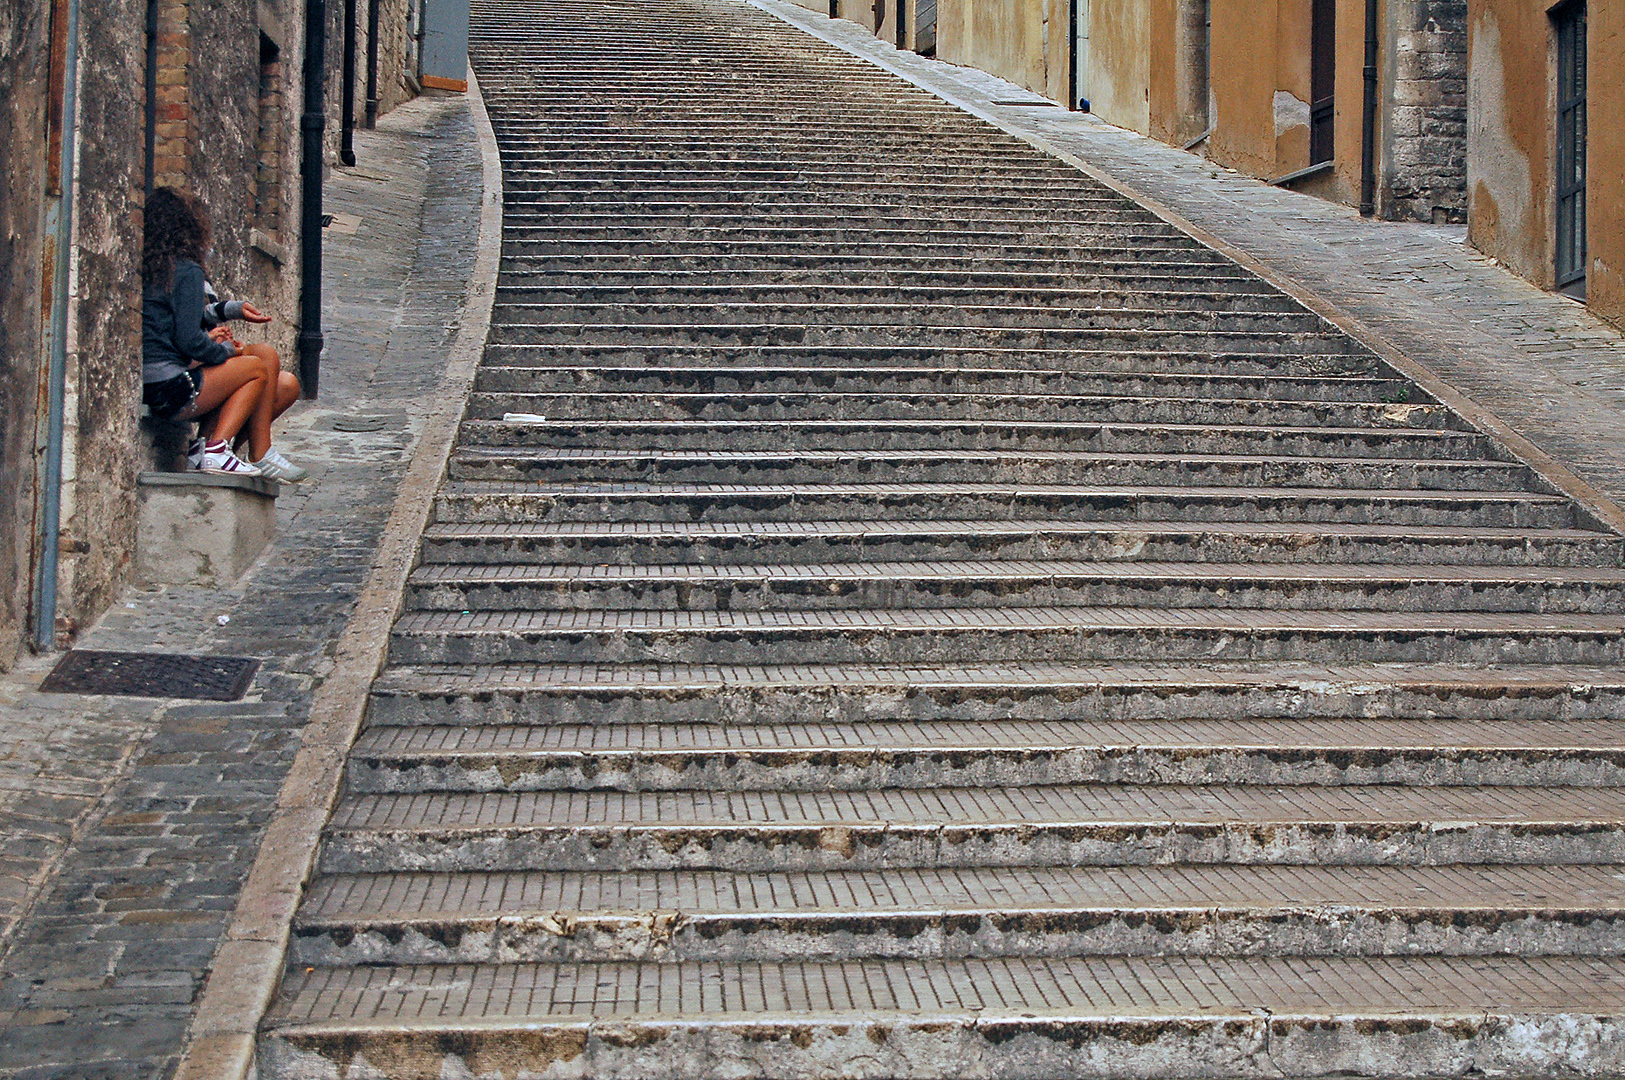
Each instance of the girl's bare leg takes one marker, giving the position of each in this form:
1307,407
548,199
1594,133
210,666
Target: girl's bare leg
287,392
229,397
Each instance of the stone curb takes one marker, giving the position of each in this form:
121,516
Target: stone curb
248,966
1602,509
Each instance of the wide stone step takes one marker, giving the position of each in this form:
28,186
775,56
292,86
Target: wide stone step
1156,278
884,220
1151,1017
745,543
541,193
926,466
695,252
1141,295
878,755
906,635
928,433
1250,313
1010,583
1082,824
991,912
639,503
919,260
1325,358
843,379
1110,330
953,404
679,696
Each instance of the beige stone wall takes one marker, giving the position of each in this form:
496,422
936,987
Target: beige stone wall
1118,79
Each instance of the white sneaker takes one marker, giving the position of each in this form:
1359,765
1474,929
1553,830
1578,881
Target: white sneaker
277,467
194,454
218,458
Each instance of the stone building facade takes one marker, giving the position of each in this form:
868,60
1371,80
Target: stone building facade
206,97
1272,88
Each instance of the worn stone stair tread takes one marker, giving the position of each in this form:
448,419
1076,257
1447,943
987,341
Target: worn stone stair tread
858,458
1351,678
1013,572
1252,387
742,493
336,899
863,993
1027,402
1254,621
1097,807
1351,739
1130,531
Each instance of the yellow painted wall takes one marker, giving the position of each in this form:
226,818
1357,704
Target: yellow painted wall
1605,277
1023,41
1119,76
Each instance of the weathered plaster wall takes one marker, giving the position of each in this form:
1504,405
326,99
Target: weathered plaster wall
1119,77
1605,276
1244,86
24,46
1023,41
1509,138
393,86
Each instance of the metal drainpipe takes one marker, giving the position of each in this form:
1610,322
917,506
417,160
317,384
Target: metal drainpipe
59,226
311,126
347,89
1368,119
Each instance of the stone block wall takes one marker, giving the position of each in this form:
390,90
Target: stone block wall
24,48
1425,171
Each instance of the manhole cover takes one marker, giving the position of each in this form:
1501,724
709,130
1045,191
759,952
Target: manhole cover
126,674
1033,104
360,423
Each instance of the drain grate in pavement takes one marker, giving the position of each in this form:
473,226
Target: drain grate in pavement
127,674
360,423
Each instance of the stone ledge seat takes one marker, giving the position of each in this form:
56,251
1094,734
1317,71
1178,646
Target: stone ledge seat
198,528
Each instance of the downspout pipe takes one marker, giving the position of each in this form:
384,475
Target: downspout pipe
59,226
1368,117
311,125
347,89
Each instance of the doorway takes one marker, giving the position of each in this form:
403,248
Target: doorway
1570,26
1322,81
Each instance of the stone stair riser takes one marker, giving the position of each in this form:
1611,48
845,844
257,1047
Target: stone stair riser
539,846
494,379
673,936
947,645
445,544
814,769
1125,508
1376,594
592,406
678,703
906,1047
1103,471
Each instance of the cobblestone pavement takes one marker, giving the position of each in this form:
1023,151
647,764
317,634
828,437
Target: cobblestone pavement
129,824
1540,361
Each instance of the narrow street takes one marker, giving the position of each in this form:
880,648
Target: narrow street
898,608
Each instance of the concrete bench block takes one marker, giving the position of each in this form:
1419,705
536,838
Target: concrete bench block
202,528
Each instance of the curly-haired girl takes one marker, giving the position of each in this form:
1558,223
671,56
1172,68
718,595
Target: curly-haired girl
189,373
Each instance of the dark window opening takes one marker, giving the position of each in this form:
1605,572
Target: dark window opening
1571,147
1322,81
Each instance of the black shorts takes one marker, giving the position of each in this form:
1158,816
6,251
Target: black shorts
174,394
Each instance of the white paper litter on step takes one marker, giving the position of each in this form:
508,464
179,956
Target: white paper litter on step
523,418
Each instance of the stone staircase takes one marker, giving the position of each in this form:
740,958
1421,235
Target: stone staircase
898,609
